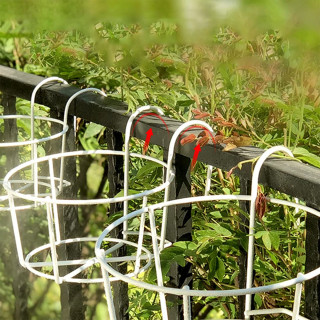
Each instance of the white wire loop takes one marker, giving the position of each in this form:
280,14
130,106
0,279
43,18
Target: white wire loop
187,292
45,191
44,198
155,238
175,136
65,120
33,142
49,194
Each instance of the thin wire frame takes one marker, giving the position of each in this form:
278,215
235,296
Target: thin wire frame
186,292
51,200
53,183
32,142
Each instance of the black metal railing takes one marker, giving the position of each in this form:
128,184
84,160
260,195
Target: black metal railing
293,178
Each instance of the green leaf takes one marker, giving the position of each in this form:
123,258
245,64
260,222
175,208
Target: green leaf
275,239
219,229
258,300
203,235
216,214
173,254
267,240
41,151
304,155
212,264
234,275
173,250
226,190
299,249
232,308
180,260
147,168
89,144
101,311
259,234
92,130
295,129
130,192
25,125
273,257
167,99
188,247
94,177
244,240
301,259
150,70
220,270
165,267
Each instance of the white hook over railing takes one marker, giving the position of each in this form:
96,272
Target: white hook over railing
173,141
32,102
254,194
49,197
185,292
138,282
34,154
65,120
127,156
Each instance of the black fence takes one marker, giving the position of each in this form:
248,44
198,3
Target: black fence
290,177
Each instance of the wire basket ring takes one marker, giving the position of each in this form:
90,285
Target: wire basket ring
188,292
52,200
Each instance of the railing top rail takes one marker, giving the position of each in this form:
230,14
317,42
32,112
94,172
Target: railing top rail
291,177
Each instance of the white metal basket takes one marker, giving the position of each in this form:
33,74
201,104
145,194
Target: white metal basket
32,142
49,194
50,198
186,293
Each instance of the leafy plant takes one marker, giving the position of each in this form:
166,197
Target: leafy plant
253,85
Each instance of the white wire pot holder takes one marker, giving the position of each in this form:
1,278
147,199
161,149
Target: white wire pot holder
36,181
102,252
35,139
44,260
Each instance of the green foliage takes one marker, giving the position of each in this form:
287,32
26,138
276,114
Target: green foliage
247,62
247,81
12,37
305,155
218,243
198,20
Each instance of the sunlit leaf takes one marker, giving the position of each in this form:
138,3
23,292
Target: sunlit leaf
92,130
220,269
305,155
275,239
267,240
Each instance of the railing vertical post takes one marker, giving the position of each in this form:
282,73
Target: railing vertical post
72,306
179,229
19,275
245,189
312,287
10,130
115,177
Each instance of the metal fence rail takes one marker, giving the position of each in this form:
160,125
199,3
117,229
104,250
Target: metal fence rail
295,179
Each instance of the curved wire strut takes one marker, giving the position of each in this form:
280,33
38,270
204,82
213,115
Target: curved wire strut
33,142
51,199
186,292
